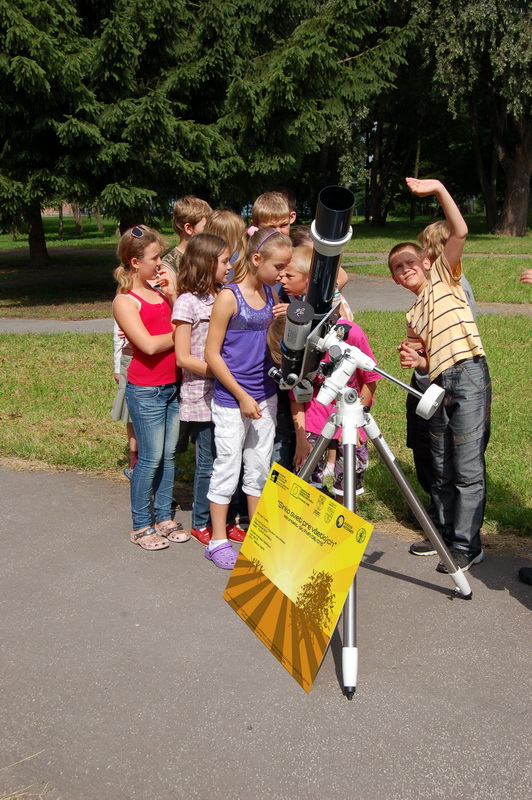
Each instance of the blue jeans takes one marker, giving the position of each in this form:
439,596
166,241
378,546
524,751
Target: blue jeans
154,412
205,455
459,433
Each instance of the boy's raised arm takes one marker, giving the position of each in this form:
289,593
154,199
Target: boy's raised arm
455,244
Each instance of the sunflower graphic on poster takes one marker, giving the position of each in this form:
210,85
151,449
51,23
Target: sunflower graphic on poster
294,570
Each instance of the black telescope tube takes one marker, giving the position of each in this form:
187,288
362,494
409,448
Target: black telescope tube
334,212
330,231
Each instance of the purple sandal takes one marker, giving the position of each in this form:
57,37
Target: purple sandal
223,556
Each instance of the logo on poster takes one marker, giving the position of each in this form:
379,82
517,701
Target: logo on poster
361,535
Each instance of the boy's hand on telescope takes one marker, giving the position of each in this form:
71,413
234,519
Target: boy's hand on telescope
424,187
279,308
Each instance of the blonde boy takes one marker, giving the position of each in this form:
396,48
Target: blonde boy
188,218
442,337
271,210
290,198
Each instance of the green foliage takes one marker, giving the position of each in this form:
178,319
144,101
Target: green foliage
482,54
131,104
44,102
312,76
480,41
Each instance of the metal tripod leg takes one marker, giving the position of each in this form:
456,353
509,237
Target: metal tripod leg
322,443
456,574
349,648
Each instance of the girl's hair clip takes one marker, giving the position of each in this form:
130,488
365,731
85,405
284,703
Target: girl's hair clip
251,230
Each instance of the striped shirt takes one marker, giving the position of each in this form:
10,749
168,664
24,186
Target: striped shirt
442,319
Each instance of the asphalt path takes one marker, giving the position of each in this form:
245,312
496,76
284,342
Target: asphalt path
126,675
363,292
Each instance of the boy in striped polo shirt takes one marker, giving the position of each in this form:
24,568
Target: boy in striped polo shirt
442,337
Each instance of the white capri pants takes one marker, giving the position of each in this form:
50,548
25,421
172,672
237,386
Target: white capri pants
239,438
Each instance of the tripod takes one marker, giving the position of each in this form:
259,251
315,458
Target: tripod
351,415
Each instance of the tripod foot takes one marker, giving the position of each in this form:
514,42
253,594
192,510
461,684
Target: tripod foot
462,584
349,670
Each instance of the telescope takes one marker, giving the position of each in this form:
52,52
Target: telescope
311,332
331,231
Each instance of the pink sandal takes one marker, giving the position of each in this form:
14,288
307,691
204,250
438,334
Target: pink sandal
173,531
155,542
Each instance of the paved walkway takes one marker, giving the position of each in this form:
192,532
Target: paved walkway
126,676
363,292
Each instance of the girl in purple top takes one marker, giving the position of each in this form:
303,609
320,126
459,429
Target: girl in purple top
245,397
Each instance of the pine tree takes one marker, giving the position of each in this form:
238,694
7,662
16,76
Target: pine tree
315,67
483,66
47,114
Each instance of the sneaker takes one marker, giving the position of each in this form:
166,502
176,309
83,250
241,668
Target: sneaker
128,472
201,535
235,533
424,548
328,472
462,559
525,575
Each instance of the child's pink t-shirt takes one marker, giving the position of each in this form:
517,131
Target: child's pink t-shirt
317,415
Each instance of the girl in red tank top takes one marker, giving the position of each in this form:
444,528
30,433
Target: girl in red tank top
152,393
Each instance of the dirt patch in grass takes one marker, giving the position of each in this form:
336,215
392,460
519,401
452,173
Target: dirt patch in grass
491,542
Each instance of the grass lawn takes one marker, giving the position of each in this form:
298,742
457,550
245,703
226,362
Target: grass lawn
80,285
57,391
367,239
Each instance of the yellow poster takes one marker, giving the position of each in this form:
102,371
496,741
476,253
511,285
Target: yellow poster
294,570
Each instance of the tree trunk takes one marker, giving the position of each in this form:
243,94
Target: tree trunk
517,167
367,188
39,257
487,184
412,215
376,182
514,215
78,219
98,215
60,223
